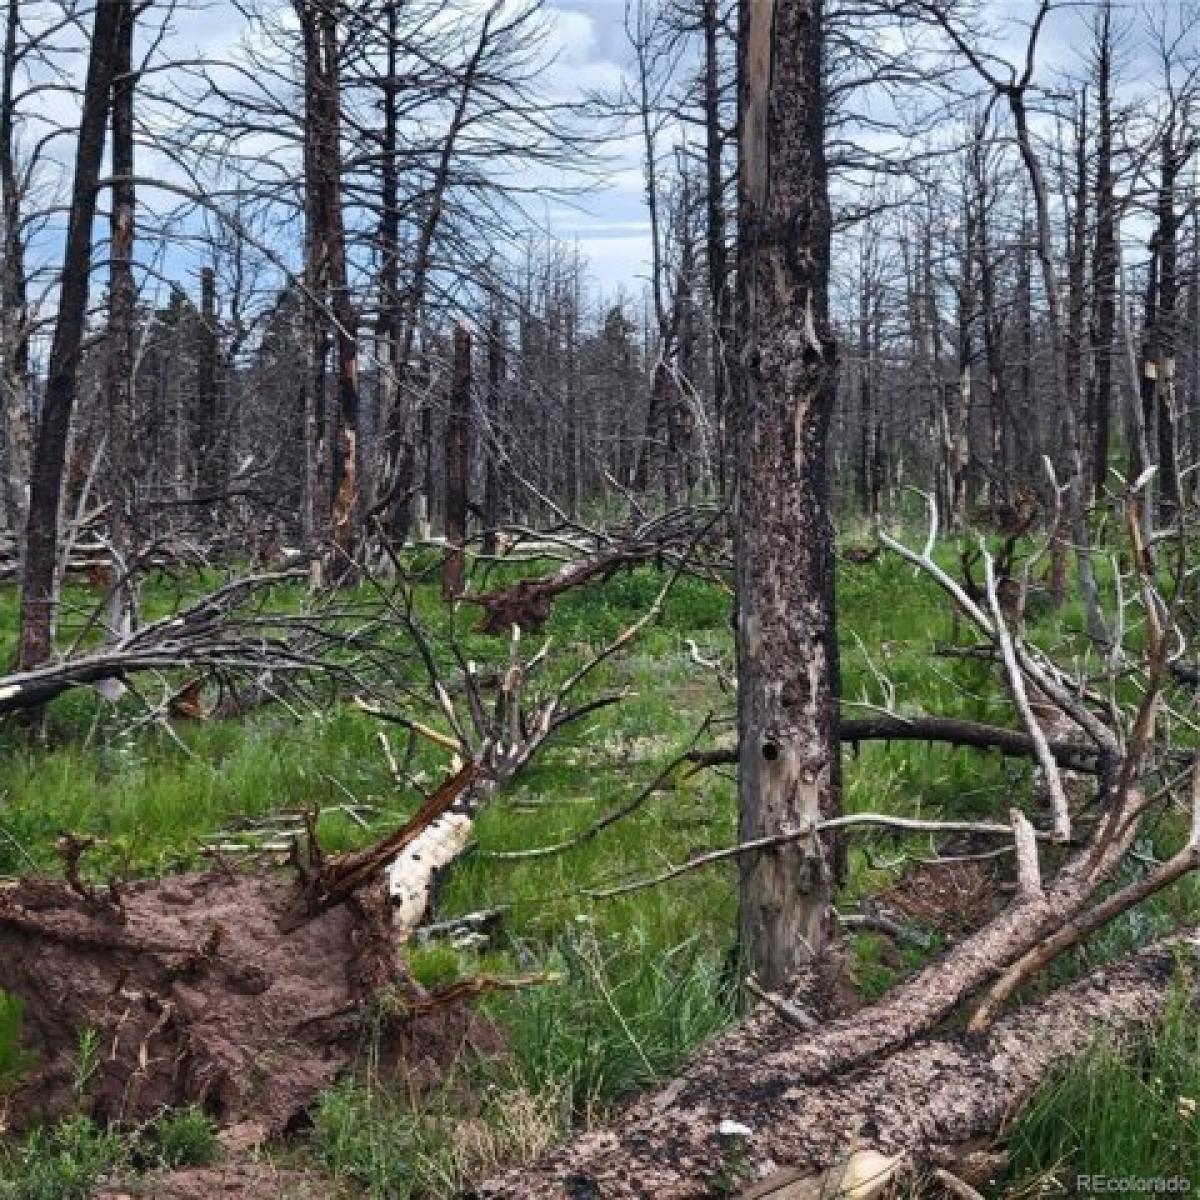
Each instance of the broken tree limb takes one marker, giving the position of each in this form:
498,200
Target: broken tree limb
1016,684
492,743
758,845
1075,756
1074,931
339,879
930,1099
216,632
527,603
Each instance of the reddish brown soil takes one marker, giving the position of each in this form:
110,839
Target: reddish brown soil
197,997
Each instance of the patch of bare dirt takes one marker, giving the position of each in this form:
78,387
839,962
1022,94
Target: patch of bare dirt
197,997
233,1181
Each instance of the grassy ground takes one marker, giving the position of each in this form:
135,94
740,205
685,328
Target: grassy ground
644,978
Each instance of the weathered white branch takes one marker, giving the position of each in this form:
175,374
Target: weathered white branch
1058,797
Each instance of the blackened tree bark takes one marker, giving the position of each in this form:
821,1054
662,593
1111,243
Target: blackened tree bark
327,270
347,506
14,310
992,313
388,333
496,429
458,463
1104,262
715,246
1163,338
1076,278
122,300
573,450
868,462
38,598
208,415
787,656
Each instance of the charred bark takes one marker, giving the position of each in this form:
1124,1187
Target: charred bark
933,1101
458,465
1104,262
122,300
787,655
38,593
14,308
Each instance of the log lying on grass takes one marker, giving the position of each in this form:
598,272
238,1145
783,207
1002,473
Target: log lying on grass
949,731
928,1103
224,632
527,604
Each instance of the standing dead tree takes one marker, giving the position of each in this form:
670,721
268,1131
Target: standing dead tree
39,600
1013,87
458,464
786,644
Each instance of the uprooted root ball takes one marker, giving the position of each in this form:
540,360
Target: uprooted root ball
185,991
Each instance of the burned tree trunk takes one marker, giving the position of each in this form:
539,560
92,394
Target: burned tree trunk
715,245
122,299
787,657
1104,264
346,487
495,432
391,511
38,598
458,464
326,272
208,415
14,314
1164,333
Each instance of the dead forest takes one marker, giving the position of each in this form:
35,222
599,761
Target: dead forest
598,599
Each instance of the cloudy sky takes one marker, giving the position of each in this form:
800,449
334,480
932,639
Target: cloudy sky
592,54
610,227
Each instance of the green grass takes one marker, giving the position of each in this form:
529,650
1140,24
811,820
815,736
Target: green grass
187,1138
15,1059
641,979
1121,1112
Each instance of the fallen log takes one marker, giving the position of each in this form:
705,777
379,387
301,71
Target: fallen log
928,1103
949,731
214,633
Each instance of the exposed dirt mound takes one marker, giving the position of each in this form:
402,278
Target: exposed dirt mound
196,996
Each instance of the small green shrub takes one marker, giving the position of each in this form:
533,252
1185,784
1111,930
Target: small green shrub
364,1139
187,1138
62,1162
